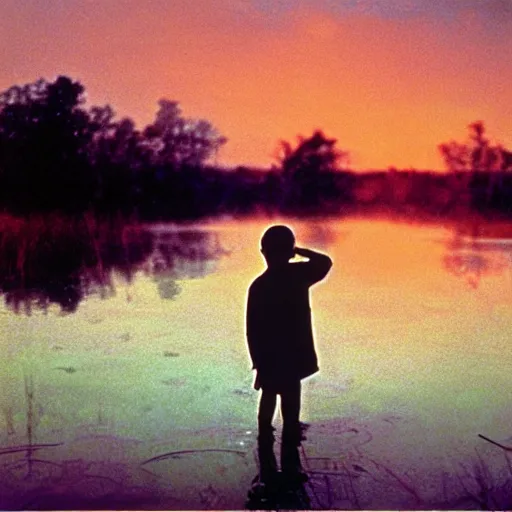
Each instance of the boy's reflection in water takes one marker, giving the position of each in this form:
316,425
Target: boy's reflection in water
280,341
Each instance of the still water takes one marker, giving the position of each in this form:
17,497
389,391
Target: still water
413,322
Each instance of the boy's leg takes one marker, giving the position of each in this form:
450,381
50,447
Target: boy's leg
290,409
266,411
266,456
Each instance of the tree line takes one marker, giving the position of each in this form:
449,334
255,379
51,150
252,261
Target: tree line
59,155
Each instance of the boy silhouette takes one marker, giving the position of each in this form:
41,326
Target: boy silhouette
280,340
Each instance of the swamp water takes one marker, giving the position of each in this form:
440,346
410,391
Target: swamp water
126,381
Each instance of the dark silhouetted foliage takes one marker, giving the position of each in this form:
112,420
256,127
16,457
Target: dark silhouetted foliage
44,139
307,170
176,141
57,155
489,165
476,154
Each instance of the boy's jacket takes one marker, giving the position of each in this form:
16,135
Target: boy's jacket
278,322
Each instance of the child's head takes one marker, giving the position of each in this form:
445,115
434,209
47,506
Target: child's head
277,244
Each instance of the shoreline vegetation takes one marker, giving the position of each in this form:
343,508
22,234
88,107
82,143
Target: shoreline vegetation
196,194
59,156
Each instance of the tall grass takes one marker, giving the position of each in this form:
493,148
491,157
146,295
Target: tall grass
47,259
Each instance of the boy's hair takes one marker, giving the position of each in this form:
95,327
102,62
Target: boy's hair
277,239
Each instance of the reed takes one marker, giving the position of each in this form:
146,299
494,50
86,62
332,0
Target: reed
9,419
52,258
29,397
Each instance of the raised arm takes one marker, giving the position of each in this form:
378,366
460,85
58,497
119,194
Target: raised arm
318,265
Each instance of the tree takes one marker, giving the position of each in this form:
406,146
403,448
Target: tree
308,169
476,154
177,141
57,155
317,154
486,162
456,156
44,138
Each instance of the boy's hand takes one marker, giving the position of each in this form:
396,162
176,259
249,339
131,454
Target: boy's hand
321,262
299,251
257,384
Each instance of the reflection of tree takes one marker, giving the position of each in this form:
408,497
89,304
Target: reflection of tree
168,288
471,257
470,266
184,254
46,261
321,235
54,261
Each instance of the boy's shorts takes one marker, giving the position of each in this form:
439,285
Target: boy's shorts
277,384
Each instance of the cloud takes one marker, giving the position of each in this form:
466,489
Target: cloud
493,13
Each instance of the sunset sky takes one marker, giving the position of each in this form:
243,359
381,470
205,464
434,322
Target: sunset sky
390,79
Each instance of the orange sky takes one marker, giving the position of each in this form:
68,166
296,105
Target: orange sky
389,81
